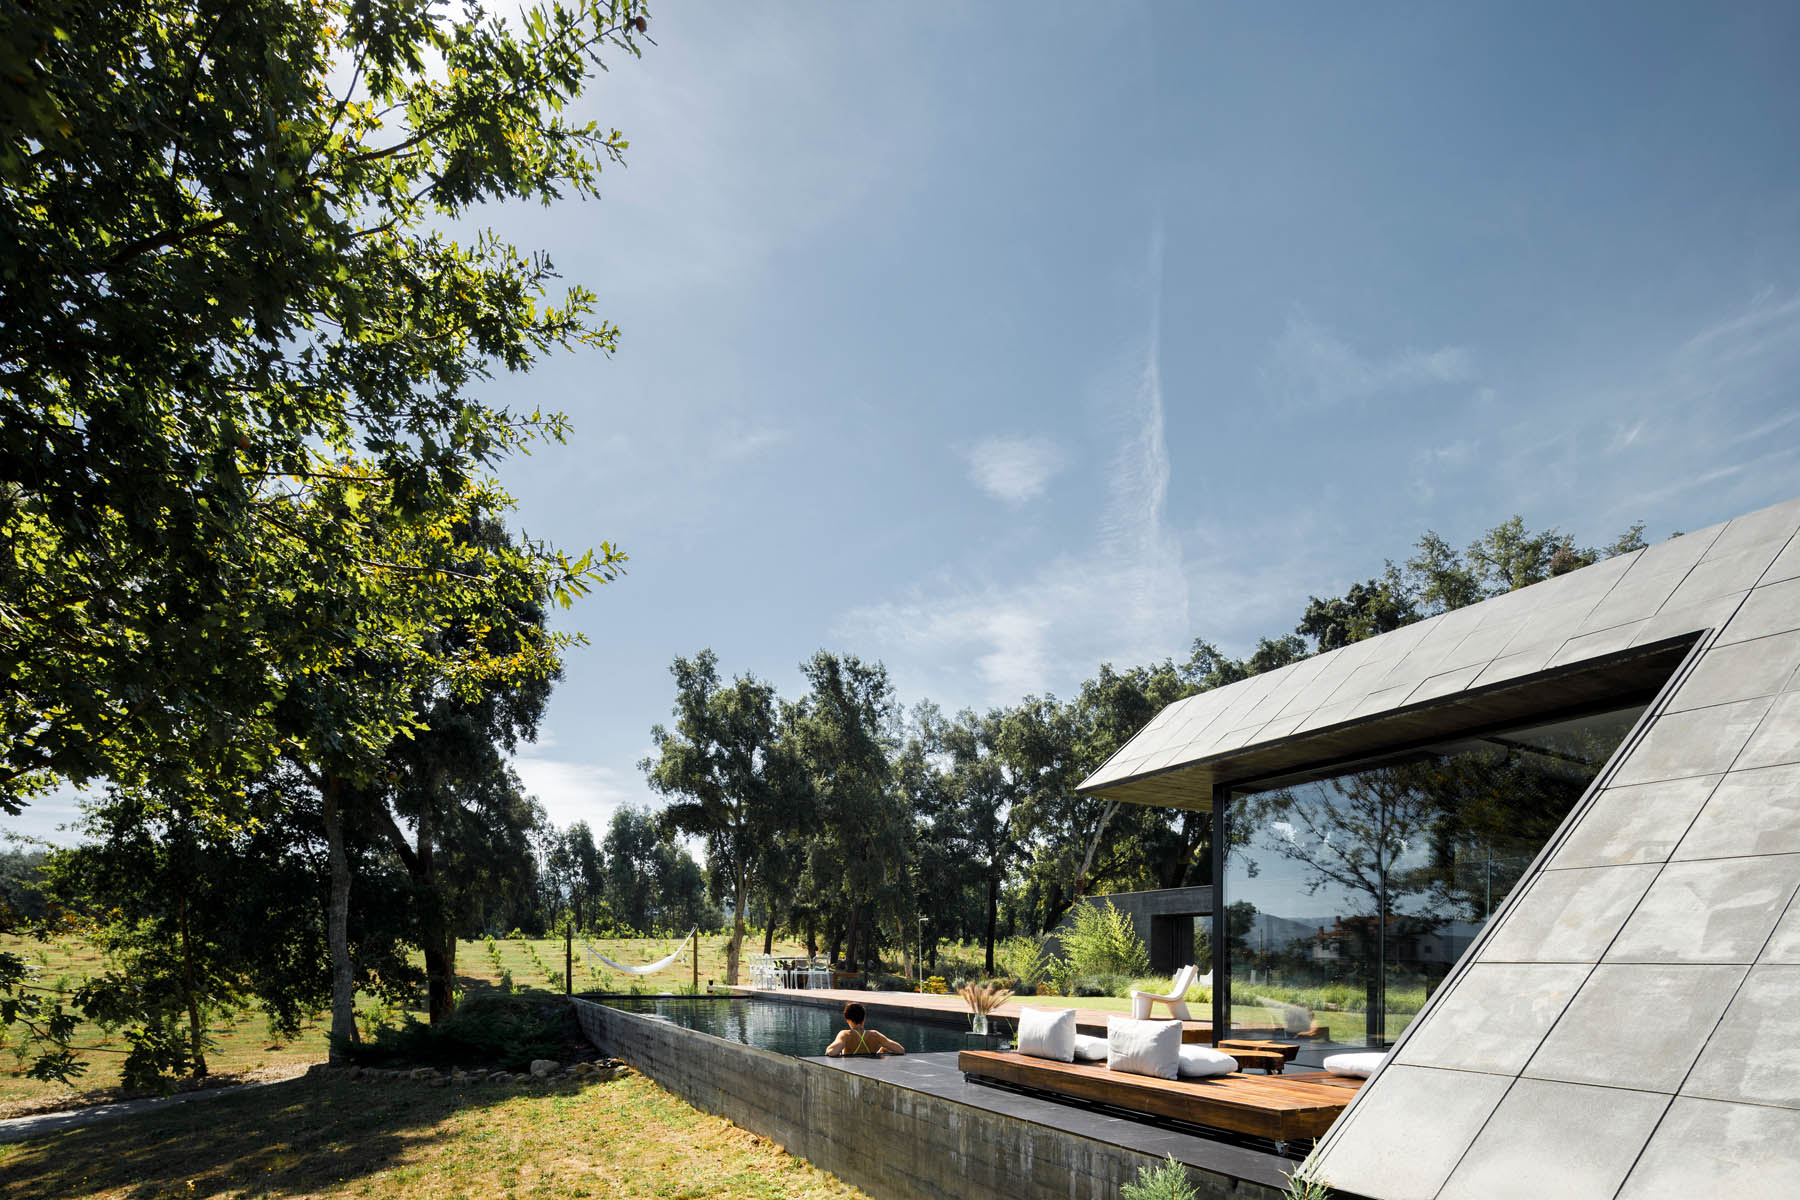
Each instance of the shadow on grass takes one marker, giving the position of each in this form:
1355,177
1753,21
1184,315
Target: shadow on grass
300,1137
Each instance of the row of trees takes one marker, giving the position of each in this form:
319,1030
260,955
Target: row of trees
255,574
852,825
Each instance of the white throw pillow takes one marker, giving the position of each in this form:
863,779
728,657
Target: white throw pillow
1203,1062
1143,1047
1360,1065
1089,1048
1047,1032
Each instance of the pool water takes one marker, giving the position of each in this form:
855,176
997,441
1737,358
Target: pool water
797,1029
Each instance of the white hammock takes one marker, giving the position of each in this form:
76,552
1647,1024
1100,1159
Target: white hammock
647,968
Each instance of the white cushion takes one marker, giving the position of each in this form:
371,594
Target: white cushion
1089,1048
1143,1047
1203,1062
1047,1032
1359,1065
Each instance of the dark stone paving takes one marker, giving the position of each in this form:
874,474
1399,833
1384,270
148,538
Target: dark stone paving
936,1075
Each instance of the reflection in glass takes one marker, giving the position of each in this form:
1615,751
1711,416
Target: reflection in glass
1349,897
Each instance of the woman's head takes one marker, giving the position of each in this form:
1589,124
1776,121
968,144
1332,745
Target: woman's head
853,1013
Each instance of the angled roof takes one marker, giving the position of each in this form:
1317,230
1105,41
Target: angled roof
1475,666
1628,1025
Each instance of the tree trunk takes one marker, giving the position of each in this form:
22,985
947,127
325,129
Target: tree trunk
434,927
196,1031
852,951
769,940
993,912
734,949
337,926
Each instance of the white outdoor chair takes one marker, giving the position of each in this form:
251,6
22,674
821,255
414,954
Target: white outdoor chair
1176,1000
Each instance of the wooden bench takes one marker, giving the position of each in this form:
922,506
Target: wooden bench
1272,1057
1193,1033
1280,1108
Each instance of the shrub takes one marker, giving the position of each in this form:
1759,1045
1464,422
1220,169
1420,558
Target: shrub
937,986
1169,1181
1102,985
881,982
487,1031
1102,941
1029,959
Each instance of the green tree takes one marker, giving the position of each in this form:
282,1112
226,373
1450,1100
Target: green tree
1369,608
222,277
731,776
573,870
984,793
846,731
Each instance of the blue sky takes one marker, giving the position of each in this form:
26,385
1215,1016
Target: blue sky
996,341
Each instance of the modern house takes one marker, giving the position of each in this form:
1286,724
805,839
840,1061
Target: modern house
1545,850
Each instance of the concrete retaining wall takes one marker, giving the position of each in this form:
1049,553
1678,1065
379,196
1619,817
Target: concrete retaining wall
894,1143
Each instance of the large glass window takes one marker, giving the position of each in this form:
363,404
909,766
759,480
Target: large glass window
1347,898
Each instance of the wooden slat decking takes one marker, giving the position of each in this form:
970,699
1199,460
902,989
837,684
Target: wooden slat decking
1278,1107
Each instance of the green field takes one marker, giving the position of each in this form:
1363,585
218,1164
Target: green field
245,1048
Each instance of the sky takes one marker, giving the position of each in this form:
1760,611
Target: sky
996,341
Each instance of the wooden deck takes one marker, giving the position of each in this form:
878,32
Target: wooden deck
1278,1107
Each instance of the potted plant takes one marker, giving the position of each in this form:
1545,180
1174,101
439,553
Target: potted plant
982,999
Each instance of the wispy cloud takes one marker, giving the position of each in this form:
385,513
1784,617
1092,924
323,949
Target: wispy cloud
1309,366
1431,463
1715,417
572,790
1013,469
1123,598
738,442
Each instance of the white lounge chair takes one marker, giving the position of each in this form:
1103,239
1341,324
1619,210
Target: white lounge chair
1176,1000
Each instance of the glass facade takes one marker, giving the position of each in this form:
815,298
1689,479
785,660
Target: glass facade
1348,897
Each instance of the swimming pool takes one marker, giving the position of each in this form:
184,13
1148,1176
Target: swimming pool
781,1026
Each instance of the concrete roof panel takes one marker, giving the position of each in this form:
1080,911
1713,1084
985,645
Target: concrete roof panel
1709,911
1640,1026
1498,1014
1774,608
1754,1055
1446,684
1637,596
1751,812
1768,526
1702,742
1590,645
1738,672
1568,916
1708,614
1384,1154
1715,577
1712,1148
1553,1140
1777,739
1642,823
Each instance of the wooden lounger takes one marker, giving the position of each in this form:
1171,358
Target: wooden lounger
1278,1107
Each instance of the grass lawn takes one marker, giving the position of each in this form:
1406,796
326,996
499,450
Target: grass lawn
245,1048
328,1137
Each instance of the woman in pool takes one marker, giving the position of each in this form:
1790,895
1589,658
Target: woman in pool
857,1040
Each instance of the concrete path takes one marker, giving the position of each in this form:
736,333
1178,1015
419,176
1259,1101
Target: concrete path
18,1129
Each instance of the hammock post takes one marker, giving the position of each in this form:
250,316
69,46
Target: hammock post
569,959
696,960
